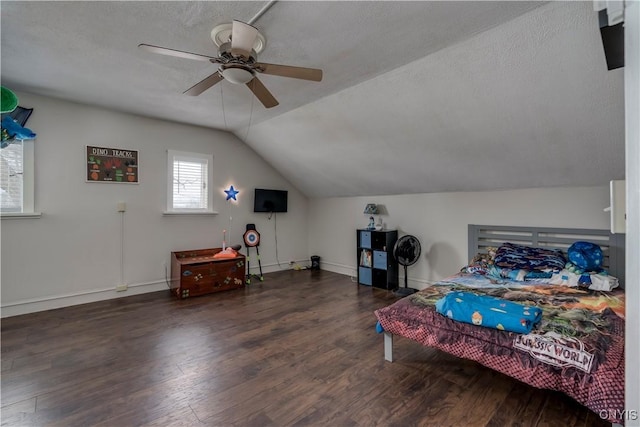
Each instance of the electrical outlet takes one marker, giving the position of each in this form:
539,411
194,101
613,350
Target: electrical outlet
121,288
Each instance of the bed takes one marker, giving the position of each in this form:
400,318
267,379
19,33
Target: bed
576,348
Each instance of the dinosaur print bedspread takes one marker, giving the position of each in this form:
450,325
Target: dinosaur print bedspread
577,348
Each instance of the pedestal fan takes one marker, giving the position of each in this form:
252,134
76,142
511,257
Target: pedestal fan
407,252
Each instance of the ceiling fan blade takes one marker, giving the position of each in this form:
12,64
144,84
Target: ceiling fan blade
262,93
176,53
243,37
205,84
312,74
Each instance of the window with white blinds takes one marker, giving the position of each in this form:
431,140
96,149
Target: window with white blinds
189,187
16,177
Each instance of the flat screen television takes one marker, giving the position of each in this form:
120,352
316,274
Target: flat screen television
270,200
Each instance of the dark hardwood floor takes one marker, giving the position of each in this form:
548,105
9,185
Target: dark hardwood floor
297,349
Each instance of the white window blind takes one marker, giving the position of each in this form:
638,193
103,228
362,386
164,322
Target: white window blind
11,177
189,182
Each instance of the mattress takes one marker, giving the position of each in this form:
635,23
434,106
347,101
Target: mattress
577,348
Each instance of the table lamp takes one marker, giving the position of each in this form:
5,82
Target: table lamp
371,209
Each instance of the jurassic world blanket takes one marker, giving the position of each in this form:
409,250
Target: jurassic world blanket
577,348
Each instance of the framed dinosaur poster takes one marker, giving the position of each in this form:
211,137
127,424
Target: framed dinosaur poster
115,165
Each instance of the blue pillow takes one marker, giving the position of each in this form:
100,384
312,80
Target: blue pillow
586,256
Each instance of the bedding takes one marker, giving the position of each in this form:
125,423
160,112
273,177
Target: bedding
596,281
521,257
575,346
490,312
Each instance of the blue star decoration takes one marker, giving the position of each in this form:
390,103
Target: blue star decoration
231,193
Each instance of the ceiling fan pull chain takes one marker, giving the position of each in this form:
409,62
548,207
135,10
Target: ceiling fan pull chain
250,113
224,115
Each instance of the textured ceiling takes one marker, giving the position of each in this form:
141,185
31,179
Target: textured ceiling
416,96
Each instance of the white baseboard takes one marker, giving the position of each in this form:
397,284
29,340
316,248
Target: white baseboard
418,284
349,270
49,303
271,268
66,300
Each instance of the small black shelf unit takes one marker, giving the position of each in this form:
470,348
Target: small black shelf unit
376,265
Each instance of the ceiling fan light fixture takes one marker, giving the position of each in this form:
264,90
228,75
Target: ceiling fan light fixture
237,75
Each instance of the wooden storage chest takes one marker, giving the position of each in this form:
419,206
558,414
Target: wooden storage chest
197,272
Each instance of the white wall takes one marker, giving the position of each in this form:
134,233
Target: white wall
440,222
71,254
632,111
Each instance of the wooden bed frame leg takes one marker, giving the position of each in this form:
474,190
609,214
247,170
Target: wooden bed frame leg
388,347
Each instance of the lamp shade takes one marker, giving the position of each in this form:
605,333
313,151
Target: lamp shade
371,209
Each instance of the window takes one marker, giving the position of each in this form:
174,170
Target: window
189,188
16,178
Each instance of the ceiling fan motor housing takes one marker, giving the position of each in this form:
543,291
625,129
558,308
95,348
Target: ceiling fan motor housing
224,52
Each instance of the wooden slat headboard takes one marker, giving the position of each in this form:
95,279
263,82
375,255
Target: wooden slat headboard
483,236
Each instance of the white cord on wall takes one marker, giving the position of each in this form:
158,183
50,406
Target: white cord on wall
275,232
121,286
121,248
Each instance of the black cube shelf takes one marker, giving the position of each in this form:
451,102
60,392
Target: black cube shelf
376,265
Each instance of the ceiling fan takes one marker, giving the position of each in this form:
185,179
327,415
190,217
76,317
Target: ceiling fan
238,64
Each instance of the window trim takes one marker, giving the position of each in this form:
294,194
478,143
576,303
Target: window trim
28,176
28,184
171,156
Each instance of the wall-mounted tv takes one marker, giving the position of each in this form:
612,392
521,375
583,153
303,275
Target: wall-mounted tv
270,200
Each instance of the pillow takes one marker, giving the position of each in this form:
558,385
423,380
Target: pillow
227,253
519,275
481,263
476,268
594,281
520,257
586,255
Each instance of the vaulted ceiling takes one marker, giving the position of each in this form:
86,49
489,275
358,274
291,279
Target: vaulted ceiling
416,96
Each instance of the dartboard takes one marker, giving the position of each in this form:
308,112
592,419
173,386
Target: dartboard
251,238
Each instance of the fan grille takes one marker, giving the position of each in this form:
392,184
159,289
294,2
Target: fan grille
407,250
